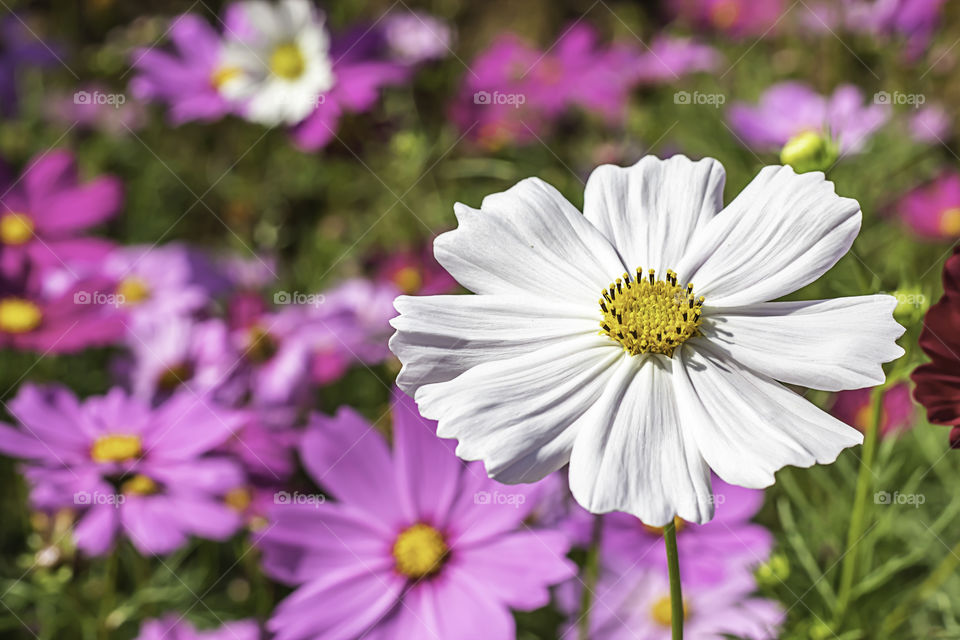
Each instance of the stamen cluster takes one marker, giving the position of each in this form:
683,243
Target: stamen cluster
647,315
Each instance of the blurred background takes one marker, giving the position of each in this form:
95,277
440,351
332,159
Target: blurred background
336,205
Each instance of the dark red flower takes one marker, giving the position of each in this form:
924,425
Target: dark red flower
938,382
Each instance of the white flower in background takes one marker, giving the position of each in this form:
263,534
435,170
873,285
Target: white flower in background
637,341
280,66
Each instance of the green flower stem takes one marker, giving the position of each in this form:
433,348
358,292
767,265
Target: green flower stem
676,594
591,571
864,482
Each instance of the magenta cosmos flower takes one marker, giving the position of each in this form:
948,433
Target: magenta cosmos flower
415,37
174,627
187,77
854,408
739,18
515,91
933,210
708,552
418,544
415,271
66,320
634,604
789,109
43,214
128,467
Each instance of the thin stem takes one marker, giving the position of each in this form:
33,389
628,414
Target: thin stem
676,594
591,571
857,517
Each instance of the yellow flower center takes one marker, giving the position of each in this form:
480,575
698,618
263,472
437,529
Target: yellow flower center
238,499
408,279
15,228
115,448
420,551
19,316
133,290
139,485
287,62
679,523
950,222
662,612
223,75
647,315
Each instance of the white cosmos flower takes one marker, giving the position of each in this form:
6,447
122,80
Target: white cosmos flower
282,68
538,370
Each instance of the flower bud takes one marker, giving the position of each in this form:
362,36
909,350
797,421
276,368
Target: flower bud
809,151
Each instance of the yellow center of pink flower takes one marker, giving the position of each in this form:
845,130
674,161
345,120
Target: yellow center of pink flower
647,315
950,222
19,316
724,14
133,290
662,612
115,448
15,228
408,279
420,551
238,499
139,485
287,62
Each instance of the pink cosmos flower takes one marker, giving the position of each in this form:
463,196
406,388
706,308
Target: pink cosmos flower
669,58
187,77
43,214
854,408
414,37
174,627
180,352
65,321
417,545
514,90
933,210
633,603
788,109
738,18
128,467
415,272
708,552
930,124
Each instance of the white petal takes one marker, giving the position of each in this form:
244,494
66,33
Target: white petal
748,426
633,454
440,337
516,414
781,233
528,240
650,211
821,344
